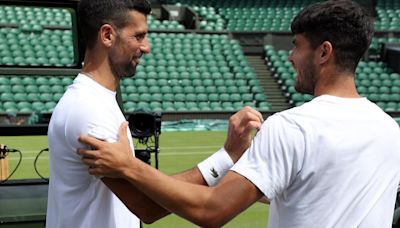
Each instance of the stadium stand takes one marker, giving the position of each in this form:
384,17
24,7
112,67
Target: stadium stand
202,70
31,93
36,36
193,72
153,23
256,15
388,15
183,73
374,80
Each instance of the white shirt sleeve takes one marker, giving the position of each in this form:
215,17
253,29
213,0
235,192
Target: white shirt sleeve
275,156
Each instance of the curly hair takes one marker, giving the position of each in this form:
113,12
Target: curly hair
343,23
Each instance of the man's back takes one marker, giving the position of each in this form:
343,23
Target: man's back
338,165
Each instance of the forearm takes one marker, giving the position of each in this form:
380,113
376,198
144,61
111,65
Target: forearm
163,189
204,206
141,205
138,203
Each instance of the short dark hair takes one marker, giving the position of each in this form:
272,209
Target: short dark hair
343,23
92,14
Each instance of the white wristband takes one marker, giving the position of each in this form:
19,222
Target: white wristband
215,167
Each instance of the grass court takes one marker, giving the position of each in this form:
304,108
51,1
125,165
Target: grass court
178,151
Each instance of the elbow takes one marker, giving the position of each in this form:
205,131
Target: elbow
209,219
147,219
150,216
210,223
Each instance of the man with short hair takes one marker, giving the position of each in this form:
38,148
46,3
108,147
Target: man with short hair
332,162
115,35
115,32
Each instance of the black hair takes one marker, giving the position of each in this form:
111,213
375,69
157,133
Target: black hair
92,14
343,23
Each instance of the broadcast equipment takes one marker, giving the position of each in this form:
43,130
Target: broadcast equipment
4,170
146,127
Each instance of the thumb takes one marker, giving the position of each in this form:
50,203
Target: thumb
123,136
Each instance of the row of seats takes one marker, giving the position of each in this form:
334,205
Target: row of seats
274,15
377,42
200,68
374,80
31,93
35,18
388,15
153,23
48,48
40,94
255,15
182,67
190,106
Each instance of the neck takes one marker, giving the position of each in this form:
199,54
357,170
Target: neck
337,84
97,67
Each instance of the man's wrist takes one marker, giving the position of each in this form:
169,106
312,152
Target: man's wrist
214,168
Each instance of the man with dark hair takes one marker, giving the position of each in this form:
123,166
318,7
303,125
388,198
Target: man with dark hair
332,162
116,35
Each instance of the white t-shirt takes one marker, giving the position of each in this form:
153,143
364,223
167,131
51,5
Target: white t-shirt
332,162
77,199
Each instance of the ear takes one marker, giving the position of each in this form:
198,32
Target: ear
107,35
325,52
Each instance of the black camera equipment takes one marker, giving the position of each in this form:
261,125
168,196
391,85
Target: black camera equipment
146,127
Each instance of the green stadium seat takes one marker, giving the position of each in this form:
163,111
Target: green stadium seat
129,106
145,97
9,105
157,97
133,97
168,106
57,96
46,97
179,106
180,97
6,97
38,106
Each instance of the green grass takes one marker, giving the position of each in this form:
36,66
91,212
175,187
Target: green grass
178,151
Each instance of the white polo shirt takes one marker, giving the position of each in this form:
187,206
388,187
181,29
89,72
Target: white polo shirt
332,162
77,199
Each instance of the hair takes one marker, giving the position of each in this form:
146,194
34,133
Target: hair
92,14
341,22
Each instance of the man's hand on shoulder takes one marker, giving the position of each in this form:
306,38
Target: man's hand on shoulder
107,159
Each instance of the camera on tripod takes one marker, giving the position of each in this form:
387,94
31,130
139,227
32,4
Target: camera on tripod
146,127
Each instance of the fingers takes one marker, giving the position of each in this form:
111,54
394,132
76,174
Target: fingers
91,141
256,114
251,113
97,171
91,162
88,153
246,119
250,126
123,136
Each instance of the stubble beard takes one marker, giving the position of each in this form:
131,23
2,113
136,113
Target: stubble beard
306,80
121,70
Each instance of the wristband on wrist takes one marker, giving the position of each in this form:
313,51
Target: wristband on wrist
215,167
